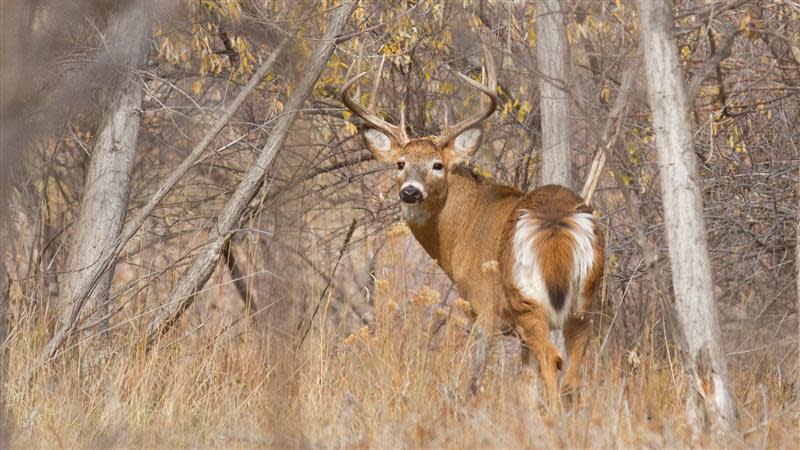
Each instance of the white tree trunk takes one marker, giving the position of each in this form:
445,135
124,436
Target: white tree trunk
710,397
104,202
87,284
203,264
552,56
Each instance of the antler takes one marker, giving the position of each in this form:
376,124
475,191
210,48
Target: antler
488,87
371,118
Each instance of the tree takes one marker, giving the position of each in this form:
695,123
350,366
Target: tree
229,218
709,396
552,56
95,272
104,201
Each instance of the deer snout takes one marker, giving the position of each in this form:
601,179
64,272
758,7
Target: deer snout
410,193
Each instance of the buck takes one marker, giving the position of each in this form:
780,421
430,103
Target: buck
525,262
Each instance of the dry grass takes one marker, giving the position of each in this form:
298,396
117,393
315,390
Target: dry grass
399,387
401,384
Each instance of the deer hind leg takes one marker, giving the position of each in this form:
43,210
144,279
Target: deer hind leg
576,336
577,331
535,330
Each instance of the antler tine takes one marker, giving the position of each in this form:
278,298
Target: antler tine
488,87
369,116
403,134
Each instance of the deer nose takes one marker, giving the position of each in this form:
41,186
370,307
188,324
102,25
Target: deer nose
410,194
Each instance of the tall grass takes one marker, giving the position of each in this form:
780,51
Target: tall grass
401,383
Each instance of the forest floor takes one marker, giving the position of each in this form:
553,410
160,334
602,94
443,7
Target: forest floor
402,384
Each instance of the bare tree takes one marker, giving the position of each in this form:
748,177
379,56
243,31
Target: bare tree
709,397
552,56
88,283
107,185
229,218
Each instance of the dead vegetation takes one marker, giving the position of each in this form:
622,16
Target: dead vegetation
384,363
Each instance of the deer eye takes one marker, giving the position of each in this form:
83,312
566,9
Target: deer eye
400,165
438,166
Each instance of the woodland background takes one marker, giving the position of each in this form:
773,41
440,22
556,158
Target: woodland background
323,323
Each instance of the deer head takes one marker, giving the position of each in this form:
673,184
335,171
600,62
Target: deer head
422,164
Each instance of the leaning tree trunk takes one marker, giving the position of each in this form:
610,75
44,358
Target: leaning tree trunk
87,285
552,57
709,397
228,220
104,202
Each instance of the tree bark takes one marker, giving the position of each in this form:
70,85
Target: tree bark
88,283
198,273
104,202
709,398
552,57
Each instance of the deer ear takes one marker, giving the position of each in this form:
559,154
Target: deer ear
378,143
466,143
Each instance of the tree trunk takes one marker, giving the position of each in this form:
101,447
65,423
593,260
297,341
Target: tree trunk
87,284
709,397
104,202
228,220
552,57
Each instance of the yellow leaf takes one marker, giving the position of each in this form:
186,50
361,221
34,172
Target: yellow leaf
196,86
605,94
745,22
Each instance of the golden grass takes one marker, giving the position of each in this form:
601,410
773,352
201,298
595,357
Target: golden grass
399,385
402,383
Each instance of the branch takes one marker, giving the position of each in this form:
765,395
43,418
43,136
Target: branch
84,287
347,238
185,291
611,132
712,63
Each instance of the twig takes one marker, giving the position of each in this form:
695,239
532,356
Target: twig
84,287
239,280
611,133
712,63
229,218
347,238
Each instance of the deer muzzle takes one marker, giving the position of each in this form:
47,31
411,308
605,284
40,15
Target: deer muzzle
412,193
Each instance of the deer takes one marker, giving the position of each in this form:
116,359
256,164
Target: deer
526,262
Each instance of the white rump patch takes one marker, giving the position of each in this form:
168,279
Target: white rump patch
527,274
583,255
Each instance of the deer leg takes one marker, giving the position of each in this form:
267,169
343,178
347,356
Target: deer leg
536,333
484,343
576,336
577,331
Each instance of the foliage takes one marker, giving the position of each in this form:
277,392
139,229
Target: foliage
383,364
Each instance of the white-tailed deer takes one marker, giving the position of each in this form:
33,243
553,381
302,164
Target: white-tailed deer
525,262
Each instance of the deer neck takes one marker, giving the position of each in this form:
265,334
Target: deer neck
439,227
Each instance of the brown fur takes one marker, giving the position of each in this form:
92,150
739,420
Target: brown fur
467,221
